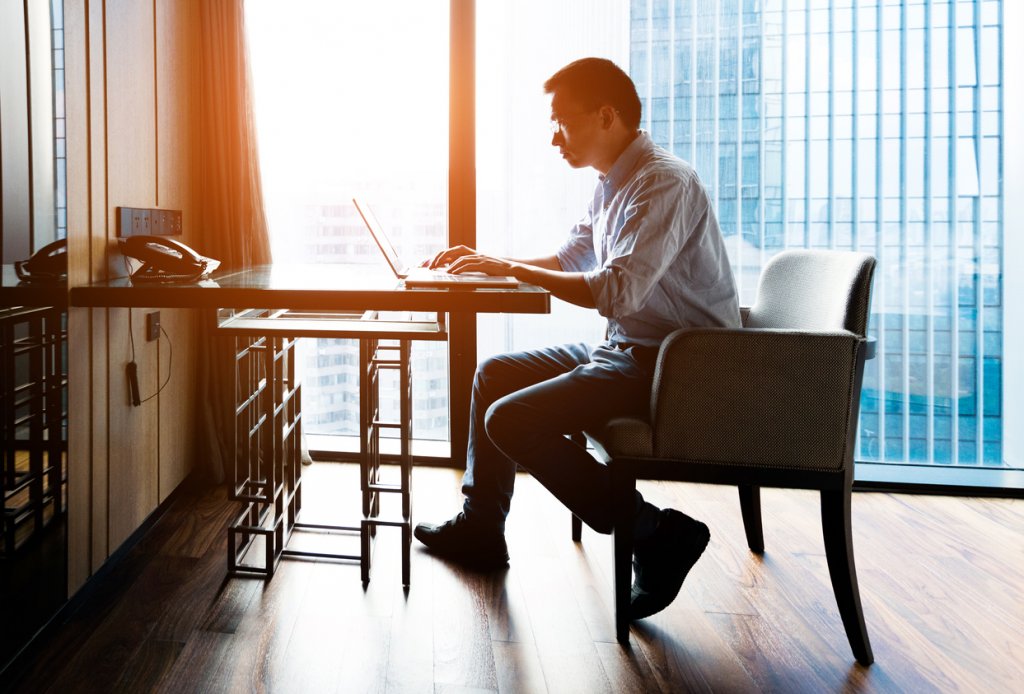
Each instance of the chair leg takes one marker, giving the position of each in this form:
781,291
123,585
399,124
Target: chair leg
623,488
577,525
750,507
837,530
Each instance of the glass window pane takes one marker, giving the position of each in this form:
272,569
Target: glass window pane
527,197
903,126
332,125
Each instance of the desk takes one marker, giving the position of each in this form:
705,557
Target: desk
336,288
351,288
309,287
14,292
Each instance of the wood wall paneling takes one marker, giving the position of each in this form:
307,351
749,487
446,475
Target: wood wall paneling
128,114
80,506
130,104
173,107
95,39
99,387
133,453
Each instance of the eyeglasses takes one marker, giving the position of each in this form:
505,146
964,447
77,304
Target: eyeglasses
558,123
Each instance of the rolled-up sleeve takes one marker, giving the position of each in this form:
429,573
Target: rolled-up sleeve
655,225
577,253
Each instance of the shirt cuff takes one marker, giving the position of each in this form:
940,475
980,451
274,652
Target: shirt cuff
569,261
597,282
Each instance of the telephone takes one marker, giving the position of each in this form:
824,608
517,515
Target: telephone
165,260
48,264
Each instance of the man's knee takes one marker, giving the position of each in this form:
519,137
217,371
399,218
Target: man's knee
507,424
488,376
496,421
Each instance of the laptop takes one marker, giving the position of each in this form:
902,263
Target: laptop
421,276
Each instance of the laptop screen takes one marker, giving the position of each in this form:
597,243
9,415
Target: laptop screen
428,279
377,232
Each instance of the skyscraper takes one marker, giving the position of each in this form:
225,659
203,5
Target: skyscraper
857,124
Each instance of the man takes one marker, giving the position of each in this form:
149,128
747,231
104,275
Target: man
649,257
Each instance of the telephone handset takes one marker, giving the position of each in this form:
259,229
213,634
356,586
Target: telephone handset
165,260
48,264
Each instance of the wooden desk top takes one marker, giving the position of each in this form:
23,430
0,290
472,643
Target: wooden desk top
14,292
310,287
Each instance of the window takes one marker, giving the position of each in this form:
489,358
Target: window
351,101
865,125
849,124
59,120
527,198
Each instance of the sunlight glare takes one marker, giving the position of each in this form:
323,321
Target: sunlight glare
349,89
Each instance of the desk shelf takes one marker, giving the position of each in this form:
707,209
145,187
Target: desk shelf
33,424
268,430
268,451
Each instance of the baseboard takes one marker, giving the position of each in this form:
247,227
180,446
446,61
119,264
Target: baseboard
944,480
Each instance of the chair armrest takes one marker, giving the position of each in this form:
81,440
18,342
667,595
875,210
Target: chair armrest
767,398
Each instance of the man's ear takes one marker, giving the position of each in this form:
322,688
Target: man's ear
608,115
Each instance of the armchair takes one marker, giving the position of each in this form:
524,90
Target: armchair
772,404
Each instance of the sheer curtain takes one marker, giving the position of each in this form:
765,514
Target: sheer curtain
351,100
527,197
227,199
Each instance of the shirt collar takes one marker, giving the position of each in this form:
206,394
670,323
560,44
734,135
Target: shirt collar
626,162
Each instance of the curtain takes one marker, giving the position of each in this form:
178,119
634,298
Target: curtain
227,203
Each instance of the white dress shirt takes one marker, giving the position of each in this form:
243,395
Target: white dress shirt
651,250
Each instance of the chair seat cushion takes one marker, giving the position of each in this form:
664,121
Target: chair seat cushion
623,437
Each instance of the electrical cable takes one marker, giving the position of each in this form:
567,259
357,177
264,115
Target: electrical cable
131,338
170,360
131,333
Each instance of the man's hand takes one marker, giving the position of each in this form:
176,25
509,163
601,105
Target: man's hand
448,256
459,259
481,263
544,272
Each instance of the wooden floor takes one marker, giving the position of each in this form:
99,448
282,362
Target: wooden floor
942,581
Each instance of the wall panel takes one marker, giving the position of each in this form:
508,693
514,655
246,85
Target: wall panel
95,41
79,319
173,107
131,181
131,103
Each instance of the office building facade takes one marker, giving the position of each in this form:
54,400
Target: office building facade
855,124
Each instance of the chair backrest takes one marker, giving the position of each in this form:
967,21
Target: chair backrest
809,289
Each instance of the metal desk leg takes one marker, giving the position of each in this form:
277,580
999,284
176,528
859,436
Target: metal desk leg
373,359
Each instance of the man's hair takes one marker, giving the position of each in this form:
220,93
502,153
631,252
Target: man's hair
597,82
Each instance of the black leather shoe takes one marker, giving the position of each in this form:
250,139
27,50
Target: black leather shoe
661,562
464,541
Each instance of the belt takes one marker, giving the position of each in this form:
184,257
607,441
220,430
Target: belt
638,349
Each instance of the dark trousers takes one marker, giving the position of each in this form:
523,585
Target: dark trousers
523,405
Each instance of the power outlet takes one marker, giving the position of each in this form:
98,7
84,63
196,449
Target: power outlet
149,221
152,326
141,222
166,222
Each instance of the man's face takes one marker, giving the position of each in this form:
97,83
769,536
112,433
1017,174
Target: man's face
576,131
